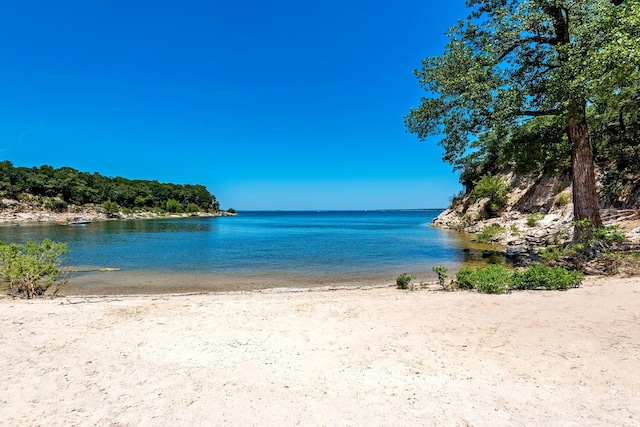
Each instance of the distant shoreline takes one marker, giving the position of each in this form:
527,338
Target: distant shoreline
48,217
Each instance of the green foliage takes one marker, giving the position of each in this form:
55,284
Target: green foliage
80,188
55,205
465,278
110,208
514,78
621,262
31,269
441,271
231,210
534,218
606,235
562,200
173,206
497,279
491,233
403,280
492,187
492,279
545,277
464,221
193,208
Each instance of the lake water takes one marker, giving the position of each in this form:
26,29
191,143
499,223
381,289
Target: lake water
251,251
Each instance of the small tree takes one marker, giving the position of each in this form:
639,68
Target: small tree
193,208
31,269
110,208
174,206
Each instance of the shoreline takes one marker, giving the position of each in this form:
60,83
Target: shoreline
45,217
378,356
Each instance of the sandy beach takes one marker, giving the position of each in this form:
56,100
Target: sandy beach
378,357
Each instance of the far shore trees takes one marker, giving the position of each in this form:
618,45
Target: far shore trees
81,188
511,63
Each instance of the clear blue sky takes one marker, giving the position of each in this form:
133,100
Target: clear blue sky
285,104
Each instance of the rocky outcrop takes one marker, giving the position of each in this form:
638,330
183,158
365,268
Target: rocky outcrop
538,214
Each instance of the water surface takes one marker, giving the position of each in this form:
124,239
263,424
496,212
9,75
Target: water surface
251,251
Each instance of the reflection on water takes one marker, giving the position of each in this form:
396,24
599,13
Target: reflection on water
254,250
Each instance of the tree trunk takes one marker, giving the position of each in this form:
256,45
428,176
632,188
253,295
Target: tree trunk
585,197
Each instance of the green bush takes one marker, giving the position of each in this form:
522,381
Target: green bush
110,208
497,279
31,269
492,279
562,200
545,277
490,233
55,205
173,206
441,271
403,280
193,208
534,218
231,210
465,278
492,187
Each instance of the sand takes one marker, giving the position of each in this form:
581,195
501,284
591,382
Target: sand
379,357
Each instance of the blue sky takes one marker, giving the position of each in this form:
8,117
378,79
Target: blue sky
272,105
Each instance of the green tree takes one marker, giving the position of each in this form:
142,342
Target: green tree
193,208
512,61
110,208
173,206
31,269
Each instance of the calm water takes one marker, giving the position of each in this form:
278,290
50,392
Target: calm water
250,251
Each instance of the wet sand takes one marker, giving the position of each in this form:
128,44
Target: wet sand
348,357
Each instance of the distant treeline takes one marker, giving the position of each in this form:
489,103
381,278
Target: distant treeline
81,188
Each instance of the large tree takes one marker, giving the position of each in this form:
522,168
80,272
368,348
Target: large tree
511,61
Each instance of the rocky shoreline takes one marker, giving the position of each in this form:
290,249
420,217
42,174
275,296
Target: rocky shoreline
532,219
16,213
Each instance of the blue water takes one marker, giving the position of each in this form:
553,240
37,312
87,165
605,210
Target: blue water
252,250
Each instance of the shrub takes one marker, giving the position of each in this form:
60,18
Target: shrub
441,271
31,269
193,208
534,218
562,200
110,208
231,210
403,281
465,278
589,235
492,187
140,202
545,277
173,206
55,205
490,233
492,279
464,221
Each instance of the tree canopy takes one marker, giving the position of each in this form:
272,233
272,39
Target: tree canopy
520,75
81,188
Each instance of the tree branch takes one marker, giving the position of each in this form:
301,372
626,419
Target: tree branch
536,113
